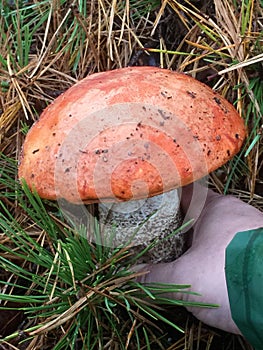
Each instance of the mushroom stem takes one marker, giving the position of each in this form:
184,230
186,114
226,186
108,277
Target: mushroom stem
142,221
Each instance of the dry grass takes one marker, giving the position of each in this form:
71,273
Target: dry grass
46,47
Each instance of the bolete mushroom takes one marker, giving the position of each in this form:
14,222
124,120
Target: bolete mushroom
124,137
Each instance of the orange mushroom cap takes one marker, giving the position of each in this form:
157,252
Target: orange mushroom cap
127,134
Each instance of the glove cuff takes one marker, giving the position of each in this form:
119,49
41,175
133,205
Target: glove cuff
244,278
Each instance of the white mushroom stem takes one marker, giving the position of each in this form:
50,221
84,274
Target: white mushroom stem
142,221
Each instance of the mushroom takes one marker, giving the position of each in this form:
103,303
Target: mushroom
128,139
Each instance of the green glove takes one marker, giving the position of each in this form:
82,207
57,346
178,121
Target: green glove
244,277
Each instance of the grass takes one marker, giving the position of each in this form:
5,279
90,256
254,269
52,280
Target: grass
45,47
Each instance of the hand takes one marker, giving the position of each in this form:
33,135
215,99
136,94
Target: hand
202,266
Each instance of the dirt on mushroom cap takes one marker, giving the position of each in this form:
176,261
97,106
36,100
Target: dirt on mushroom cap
128,134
